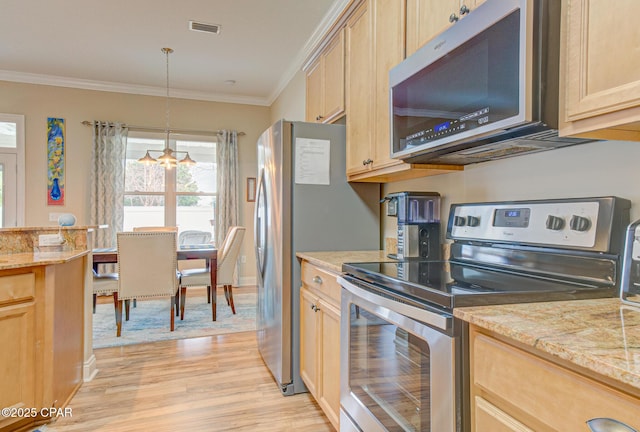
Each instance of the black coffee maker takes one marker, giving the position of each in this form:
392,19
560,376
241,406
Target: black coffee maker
418,216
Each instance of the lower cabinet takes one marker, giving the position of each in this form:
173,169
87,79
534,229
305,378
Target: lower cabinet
18,357
41,330
513,389
320,338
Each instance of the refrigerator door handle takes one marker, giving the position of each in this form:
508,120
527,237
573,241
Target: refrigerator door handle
260,226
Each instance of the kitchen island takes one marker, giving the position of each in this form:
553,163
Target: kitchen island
554,365
42,324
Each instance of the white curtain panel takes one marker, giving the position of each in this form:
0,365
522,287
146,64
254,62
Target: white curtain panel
227,183
107,180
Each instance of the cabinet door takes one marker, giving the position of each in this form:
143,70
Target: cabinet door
333,82
309,334
426,19
330,362
314,92
389,51
17,359
603,70
359,88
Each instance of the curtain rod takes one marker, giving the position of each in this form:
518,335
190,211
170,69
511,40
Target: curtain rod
158,129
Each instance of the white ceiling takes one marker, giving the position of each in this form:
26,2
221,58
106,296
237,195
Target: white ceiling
115,45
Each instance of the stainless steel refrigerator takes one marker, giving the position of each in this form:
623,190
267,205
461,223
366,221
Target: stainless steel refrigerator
303,204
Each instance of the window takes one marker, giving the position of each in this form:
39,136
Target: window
11,170
184,196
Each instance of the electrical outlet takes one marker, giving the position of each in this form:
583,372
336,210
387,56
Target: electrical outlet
53,217
243,259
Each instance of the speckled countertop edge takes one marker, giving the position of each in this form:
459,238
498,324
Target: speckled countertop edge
333,260
600,335
31,259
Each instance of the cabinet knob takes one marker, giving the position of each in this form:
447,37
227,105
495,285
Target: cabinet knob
453,18
320,117
315,308
367,162
464,10
317,280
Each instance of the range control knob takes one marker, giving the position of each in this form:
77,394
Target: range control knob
579,223
554,223
459,221
473,221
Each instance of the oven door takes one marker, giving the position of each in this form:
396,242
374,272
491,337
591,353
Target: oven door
400,364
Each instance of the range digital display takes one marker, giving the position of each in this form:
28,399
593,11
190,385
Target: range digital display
512,217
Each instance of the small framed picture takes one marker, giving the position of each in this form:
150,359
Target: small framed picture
251,189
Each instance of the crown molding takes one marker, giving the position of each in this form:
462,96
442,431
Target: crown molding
325,25
57,81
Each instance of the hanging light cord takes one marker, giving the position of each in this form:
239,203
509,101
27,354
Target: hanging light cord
167,51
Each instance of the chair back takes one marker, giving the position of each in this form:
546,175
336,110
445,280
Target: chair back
155,229
194,237
147,264
228,254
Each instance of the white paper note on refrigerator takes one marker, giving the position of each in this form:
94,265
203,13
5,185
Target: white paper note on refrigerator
313,161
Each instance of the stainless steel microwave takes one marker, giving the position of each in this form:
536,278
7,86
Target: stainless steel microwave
484,89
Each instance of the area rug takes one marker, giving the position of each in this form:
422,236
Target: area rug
149,321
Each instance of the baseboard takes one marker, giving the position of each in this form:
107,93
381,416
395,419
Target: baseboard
90,369
247,281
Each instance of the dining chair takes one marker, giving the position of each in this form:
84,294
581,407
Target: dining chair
147,268
189,237
155,229
104,284
227,258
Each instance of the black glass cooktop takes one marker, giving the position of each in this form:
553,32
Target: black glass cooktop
451,284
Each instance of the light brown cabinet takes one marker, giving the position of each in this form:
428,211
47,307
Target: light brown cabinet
428,18
374,43
17,357
515,389
41,329
325,83
601,72
320,338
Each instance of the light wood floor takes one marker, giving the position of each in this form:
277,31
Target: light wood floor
216,383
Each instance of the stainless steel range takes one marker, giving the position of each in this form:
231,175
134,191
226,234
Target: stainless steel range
403,357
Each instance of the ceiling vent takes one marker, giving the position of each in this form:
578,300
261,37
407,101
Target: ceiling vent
204,27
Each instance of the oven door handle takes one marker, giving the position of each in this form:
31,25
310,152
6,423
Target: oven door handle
432,317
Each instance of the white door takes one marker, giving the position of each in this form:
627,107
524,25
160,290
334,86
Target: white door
12,176
8,190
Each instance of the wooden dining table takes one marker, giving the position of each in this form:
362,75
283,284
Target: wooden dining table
185,252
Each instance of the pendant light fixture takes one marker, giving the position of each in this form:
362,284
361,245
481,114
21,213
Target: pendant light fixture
167,159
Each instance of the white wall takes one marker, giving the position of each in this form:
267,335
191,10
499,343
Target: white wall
595,169
290,104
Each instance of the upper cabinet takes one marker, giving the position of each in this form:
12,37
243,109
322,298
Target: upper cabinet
428,18
600,70
325,83
366,42
374,43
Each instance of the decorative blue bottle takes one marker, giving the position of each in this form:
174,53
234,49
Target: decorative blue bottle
55,190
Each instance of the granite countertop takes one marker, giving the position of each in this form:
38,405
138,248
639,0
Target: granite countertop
333,260
601,335
31,259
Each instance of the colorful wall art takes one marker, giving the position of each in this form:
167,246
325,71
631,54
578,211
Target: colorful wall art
55,165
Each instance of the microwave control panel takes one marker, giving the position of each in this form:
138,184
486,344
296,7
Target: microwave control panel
563,224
